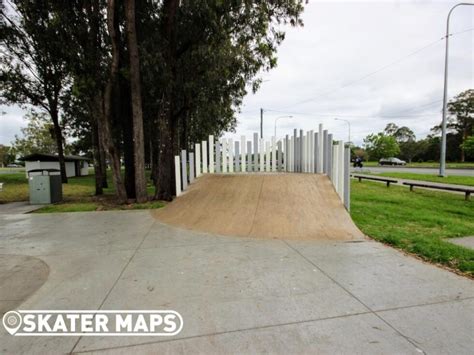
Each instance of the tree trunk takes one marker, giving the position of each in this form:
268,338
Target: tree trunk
105,121
167,125
59,141
103,163
164,187
98,171
127,136
92,49
137,112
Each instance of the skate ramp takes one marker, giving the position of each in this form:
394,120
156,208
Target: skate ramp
279,206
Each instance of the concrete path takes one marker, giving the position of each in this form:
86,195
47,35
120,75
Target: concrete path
236,295
467,242
18,207
401,169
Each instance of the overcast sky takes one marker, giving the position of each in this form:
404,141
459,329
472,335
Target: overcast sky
341,42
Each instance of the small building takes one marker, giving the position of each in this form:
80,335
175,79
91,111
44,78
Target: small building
75,165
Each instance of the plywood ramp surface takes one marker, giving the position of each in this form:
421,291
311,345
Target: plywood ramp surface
282,206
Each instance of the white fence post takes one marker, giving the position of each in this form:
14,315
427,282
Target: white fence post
330,156
280,166
347,182
197,151
191,167
340,170
204,157
177,175
211,154
267,158
262,155
325,152
335,166
184,170
231,155
316,152
291,152
303,154
243,145
273,160
255,152
249,156
320,148
224,155
237,156
218,157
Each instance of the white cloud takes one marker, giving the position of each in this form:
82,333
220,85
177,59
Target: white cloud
344,40
11,121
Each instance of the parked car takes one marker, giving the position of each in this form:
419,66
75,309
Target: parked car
392,161
14,166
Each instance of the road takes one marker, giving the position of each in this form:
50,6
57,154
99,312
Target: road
399,169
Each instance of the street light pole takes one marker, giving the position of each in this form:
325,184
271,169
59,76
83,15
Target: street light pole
349,126
276,119
442,158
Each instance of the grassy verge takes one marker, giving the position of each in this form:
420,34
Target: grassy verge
456,180
78,195
417,222
427,165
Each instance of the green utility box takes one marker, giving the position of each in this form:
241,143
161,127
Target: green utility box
45,186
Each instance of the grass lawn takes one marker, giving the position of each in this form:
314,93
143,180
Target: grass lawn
78,195
427,165
457,180
417,222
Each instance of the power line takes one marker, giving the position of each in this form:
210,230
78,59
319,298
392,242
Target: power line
395,114
378,70
348,115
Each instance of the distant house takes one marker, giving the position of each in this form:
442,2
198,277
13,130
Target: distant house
75,165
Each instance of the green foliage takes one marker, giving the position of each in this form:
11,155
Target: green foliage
417,222
221,47
381,146
32,61
460,125
37,136
461,110
401,134
468,146
7,155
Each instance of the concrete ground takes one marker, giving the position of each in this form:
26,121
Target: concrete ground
467,242
236,295
18,207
